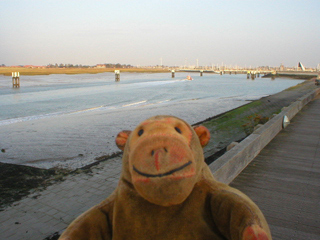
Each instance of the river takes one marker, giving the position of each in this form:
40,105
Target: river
69,120
51,95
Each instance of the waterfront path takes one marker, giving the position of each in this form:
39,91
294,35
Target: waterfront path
284,179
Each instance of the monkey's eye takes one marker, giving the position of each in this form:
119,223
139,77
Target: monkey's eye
140,132
178,130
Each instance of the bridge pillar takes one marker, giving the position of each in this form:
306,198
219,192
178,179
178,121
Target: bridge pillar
172,73
15,79
117,75
253,75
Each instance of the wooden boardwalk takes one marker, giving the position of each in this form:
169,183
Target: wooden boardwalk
284,179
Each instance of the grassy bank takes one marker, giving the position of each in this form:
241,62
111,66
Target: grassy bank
238,123
7,71
235,125
234,118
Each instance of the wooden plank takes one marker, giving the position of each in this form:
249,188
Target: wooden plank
283,180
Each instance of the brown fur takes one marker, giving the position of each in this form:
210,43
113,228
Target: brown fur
166,191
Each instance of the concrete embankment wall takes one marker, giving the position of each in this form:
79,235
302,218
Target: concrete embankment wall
229,165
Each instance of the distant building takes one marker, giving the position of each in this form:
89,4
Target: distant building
281,67
101,66
300,66
32,66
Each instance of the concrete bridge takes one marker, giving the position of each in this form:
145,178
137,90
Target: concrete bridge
266,73
226,71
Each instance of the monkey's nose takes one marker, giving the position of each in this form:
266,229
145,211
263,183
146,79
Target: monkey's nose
158,150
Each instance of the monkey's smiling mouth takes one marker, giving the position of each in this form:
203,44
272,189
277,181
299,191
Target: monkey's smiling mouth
162,174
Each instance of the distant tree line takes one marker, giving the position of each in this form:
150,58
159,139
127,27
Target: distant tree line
105,65
61,65
111,65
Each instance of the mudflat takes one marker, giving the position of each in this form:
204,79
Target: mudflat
225,128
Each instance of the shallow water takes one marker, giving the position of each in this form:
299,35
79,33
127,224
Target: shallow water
69,121
47,96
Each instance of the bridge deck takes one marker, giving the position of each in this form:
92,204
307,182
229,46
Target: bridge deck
284,179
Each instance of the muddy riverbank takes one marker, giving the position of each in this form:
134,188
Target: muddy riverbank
17,181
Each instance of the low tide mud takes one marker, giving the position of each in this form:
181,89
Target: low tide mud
17,181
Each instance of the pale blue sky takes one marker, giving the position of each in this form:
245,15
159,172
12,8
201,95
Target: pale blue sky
235,32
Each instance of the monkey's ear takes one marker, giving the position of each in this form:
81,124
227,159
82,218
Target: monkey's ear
122,138
203,134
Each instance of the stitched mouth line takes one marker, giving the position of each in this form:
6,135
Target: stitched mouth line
162,174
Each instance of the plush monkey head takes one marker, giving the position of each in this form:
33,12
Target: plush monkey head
163,158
